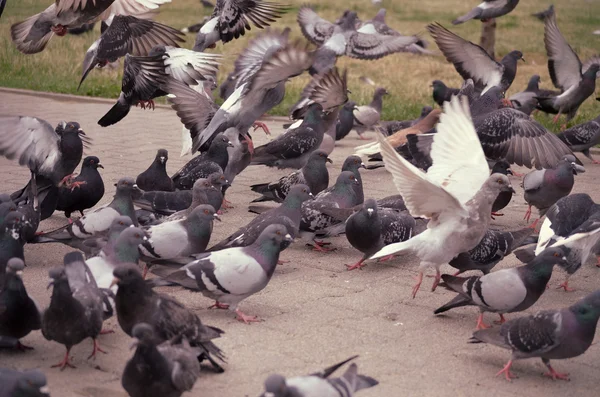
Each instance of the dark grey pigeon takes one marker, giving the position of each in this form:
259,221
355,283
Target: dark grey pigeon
104,242
473,62
215,195
583,137
526,101
83,191
353,164
51,154
168,203
442,93
389,127
319,383
239,155
137,302
233,274
494,246
505,291
128,35
370,229
30,383
159,370
76,307
205,191
542,188
11,245
503,199
20,314
30,209
548,334
289,213
314,174
487,10
345,120
155,178
201,166
542,15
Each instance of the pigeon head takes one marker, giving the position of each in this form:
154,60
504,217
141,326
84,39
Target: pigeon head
270,243
57,274
219,143
352,163
126,246
499,183
436,84
200,187
534,82
203,213
370,207
346,178
12,225
587,310
201,42
218,179
379,92
426,110
516,55
14,270
15,265
297,195
5,198
592,71
348,20
162,155
90,61
572,162
6,208
553,255
502,167
32,383
127,187
380,16
92,162
143,333
119,224
350,105
158,50
275,386
319,156
126,275
72,127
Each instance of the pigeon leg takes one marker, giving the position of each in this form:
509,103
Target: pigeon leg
527,214
245,318
553,374
555,119
65,362
77,184
507,103
59,30
263,126
320,248
417,285
219,305
226,204
386,258
436,279
358,265
145,272
598,261
280,262
480,323
502,319
565,285
250,144
506,371
363,138
23,347
534,224
95,350
65,180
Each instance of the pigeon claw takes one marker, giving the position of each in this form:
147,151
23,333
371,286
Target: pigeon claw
480,323
280,262
501,321
527,214
565,285
556,375
219,305
245,318
22,347
64,363
226,204
509,376
95,350
359,265
263,126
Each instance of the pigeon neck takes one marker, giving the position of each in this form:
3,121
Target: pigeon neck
533,85
313,116
219,155
563,175
292,201
62,297
124,205
125,253
537,273
377,102
71,148
14,284
155,362
198,228
267,254
158,165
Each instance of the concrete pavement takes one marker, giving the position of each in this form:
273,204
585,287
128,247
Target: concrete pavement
316,313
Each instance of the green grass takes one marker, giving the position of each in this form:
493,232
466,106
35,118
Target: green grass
406,76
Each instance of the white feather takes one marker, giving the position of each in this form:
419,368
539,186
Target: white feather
209,26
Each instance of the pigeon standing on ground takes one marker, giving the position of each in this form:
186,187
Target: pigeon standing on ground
526,101
233,274
155,178
20,314
442,93
488,10
548,334
84,191
544,187
30,383
503,199
239,155
11,245
314,174
103,243
353,164
366,117
345,120
583,137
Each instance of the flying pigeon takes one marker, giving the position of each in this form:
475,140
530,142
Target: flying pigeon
503,199
526,101
456,193
544,187
29,383
442,93
504,291
137,302
487,10
155,178
83,191
582,137
314,174
233,274
548,334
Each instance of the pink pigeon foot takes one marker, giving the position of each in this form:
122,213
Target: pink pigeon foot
245,318
219,305
66,362
95,350
565,285
556,375
263,126
417,285
480,323
502,319
358,265
506,371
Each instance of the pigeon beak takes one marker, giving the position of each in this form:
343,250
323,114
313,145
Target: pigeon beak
80,131
362,165
522,59
229,144
288,237
509,172
311,196
511,189
50,284
44,390
100,166
217,217
134,344
330,161
370,211
162,159
114,281
19,273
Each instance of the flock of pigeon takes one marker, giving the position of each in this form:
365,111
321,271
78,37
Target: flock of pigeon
450,166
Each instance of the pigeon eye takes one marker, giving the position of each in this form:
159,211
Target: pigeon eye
206,211
556,254
120,223
279,233
500,181
137,235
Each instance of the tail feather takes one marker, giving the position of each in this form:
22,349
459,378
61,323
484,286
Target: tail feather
521,238
115,114
358,382
32,35
474,13
458,301
394,248
454,283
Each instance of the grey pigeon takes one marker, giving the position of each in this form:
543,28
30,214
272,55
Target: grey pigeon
493,247
289,213
76,307
582,137
506,290
548,334
171,239
442,93
542,15
51,154
11,245
319,383
345,120
371,228
215,195
168,203
155,178
366,117
83,191
526,101
353,164
233,274
29,383
137,302
231,18
239,154
542,188
314,174
487,10
161,370
104,242
576,81
503,199
473,62
20,314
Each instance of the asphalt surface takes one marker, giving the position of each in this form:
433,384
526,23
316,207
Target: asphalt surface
315,312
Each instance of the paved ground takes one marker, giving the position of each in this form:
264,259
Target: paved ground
316,313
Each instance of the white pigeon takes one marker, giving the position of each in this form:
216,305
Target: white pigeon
456,193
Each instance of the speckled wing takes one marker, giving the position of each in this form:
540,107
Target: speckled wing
292,144
533,335
235,16
313,27
581,134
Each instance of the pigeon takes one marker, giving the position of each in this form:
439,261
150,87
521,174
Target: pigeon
456,193
206,191
442,93
128,35
239,154
345,120
233,274
11,245
137,302
576,81
493,247
473,62
231,18
201,166
501,167
76,307
160,370
51,154
32,35
178,238
169,203
542,15
289,213
292,149
314,174
488,10
155,178
343,39
582,137
525,101
353,164
20,314
319,383
542,188
547,334
366,117
371,228
389,127
83,191
29,383
505,291
103,243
